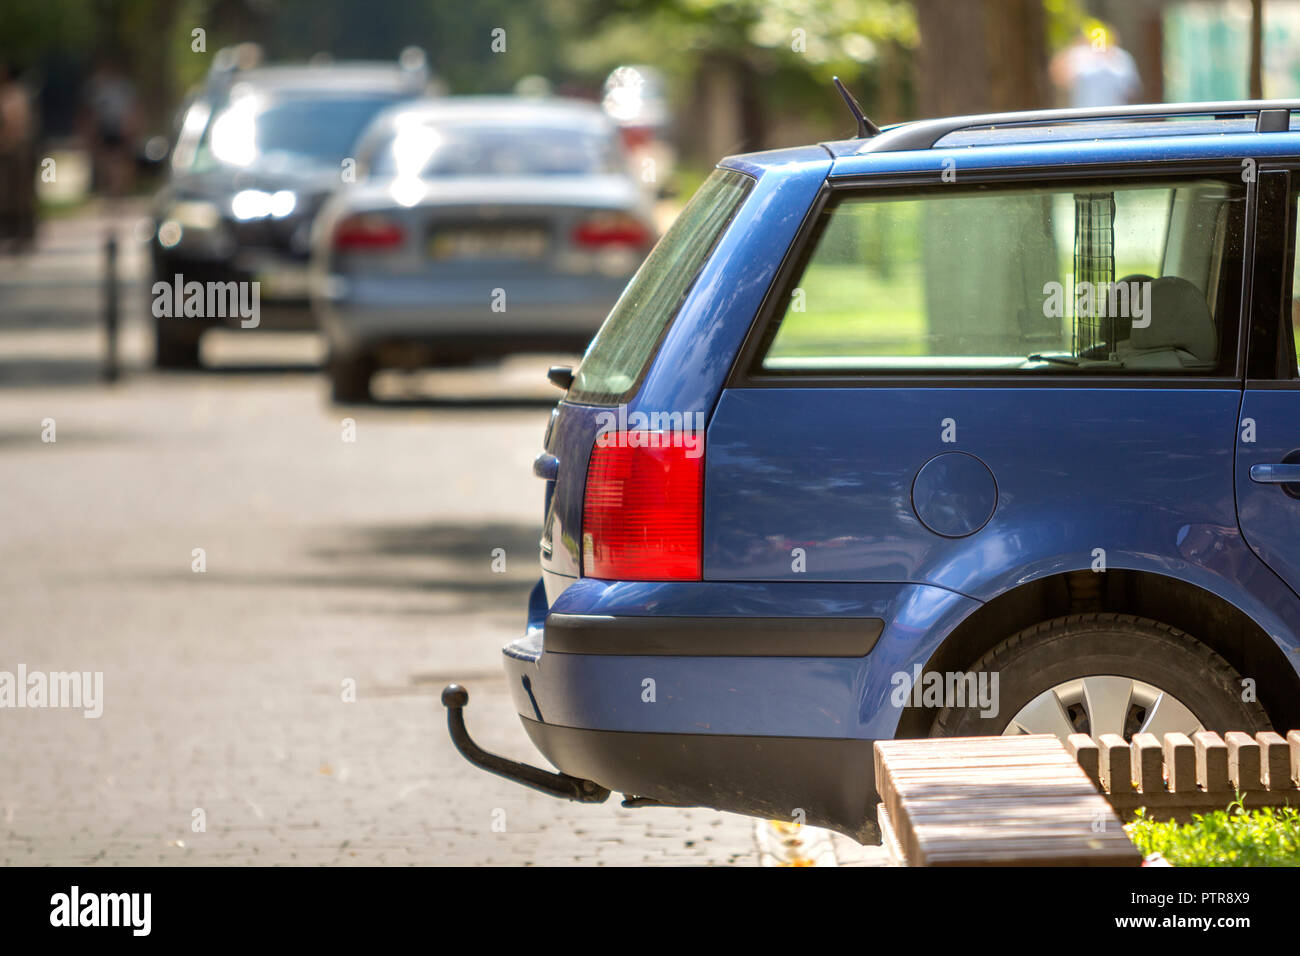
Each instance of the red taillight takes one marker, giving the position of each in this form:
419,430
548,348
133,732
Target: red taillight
642,513
612,229
636,137
368,232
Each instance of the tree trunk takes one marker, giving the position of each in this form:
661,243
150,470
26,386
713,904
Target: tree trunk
952,72
1256,49
981,56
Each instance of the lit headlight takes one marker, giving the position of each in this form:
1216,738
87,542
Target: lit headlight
256,204
282,203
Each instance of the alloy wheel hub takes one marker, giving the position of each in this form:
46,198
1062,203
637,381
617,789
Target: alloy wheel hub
1103,705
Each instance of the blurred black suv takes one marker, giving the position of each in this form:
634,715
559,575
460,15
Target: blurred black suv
256,154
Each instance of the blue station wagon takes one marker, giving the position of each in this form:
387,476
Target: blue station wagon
983,425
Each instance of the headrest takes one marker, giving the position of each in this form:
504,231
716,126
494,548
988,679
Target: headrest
1179,318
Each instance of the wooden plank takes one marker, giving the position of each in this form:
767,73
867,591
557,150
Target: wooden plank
1293,741
1148,766
1275,761
888,838
883,789
1062,819
955,745
1085,753
1025,742
981,767
998,801
1243,761
1180,763
1116,764
1211,762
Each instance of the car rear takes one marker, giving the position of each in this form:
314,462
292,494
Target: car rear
628,641
480,231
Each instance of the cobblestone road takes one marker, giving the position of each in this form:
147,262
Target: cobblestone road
327,562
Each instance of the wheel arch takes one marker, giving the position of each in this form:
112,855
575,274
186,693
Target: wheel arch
1208,618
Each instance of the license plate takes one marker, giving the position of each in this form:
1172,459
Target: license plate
284,283
488,242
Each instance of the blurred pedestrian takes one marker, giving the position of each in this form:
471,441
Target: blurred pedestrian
17,163
110,126
1095,71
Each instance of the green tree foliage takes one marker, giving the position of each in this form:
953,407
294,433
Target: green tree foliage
29,28
780,54
775,57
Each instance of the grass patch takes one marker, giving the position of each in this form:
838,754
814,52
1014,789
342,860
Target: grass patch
850,310
1232,837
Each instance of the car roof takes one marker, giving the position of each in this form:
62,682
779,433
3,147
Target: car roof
360,77
501,110
1142,133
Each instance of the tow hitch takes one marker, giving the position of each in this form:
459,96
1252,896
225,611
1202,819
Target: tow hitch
455,698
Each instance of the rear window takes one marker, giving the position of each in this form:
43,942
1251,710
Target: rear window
622,348
429,152
289,130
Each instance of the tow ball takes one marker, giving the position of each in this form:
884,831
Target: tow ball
455,698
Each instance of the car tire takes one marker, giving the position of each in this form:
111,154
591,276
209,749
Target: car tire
350,378
1056,652
176,344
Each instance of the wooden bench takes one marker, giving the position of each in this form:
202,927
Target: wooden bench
995,801
1178,776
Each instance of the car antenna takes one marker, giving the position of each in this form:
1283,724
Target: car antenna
866,128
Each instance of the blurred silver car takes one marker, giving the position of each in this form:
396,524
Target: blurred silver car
478,226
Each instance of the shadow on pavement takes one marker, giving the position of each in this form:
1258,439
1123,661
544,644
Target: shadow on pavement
461,544
39,372
50,373
253,369
445,559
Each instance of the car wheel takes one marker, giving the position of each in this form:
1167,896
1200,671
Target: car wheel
350,378
1105,674
176,344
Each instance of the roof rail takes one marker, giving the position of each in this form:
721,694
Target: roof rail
1273,116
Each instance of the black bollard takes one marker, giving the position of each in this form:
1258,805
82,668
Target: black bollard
111,369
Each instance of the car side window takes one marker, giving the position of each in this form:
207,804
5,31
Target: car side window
1136,278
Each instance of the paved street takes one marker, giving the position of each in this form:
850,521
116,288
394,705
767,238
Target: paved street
329,564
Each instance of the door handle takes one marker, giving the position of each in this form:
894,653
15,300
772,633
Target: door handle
1275,474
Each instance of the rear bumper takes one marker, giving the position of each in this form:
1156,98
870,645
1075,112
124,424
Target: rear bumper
489,315
823,782
647,689
279,316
